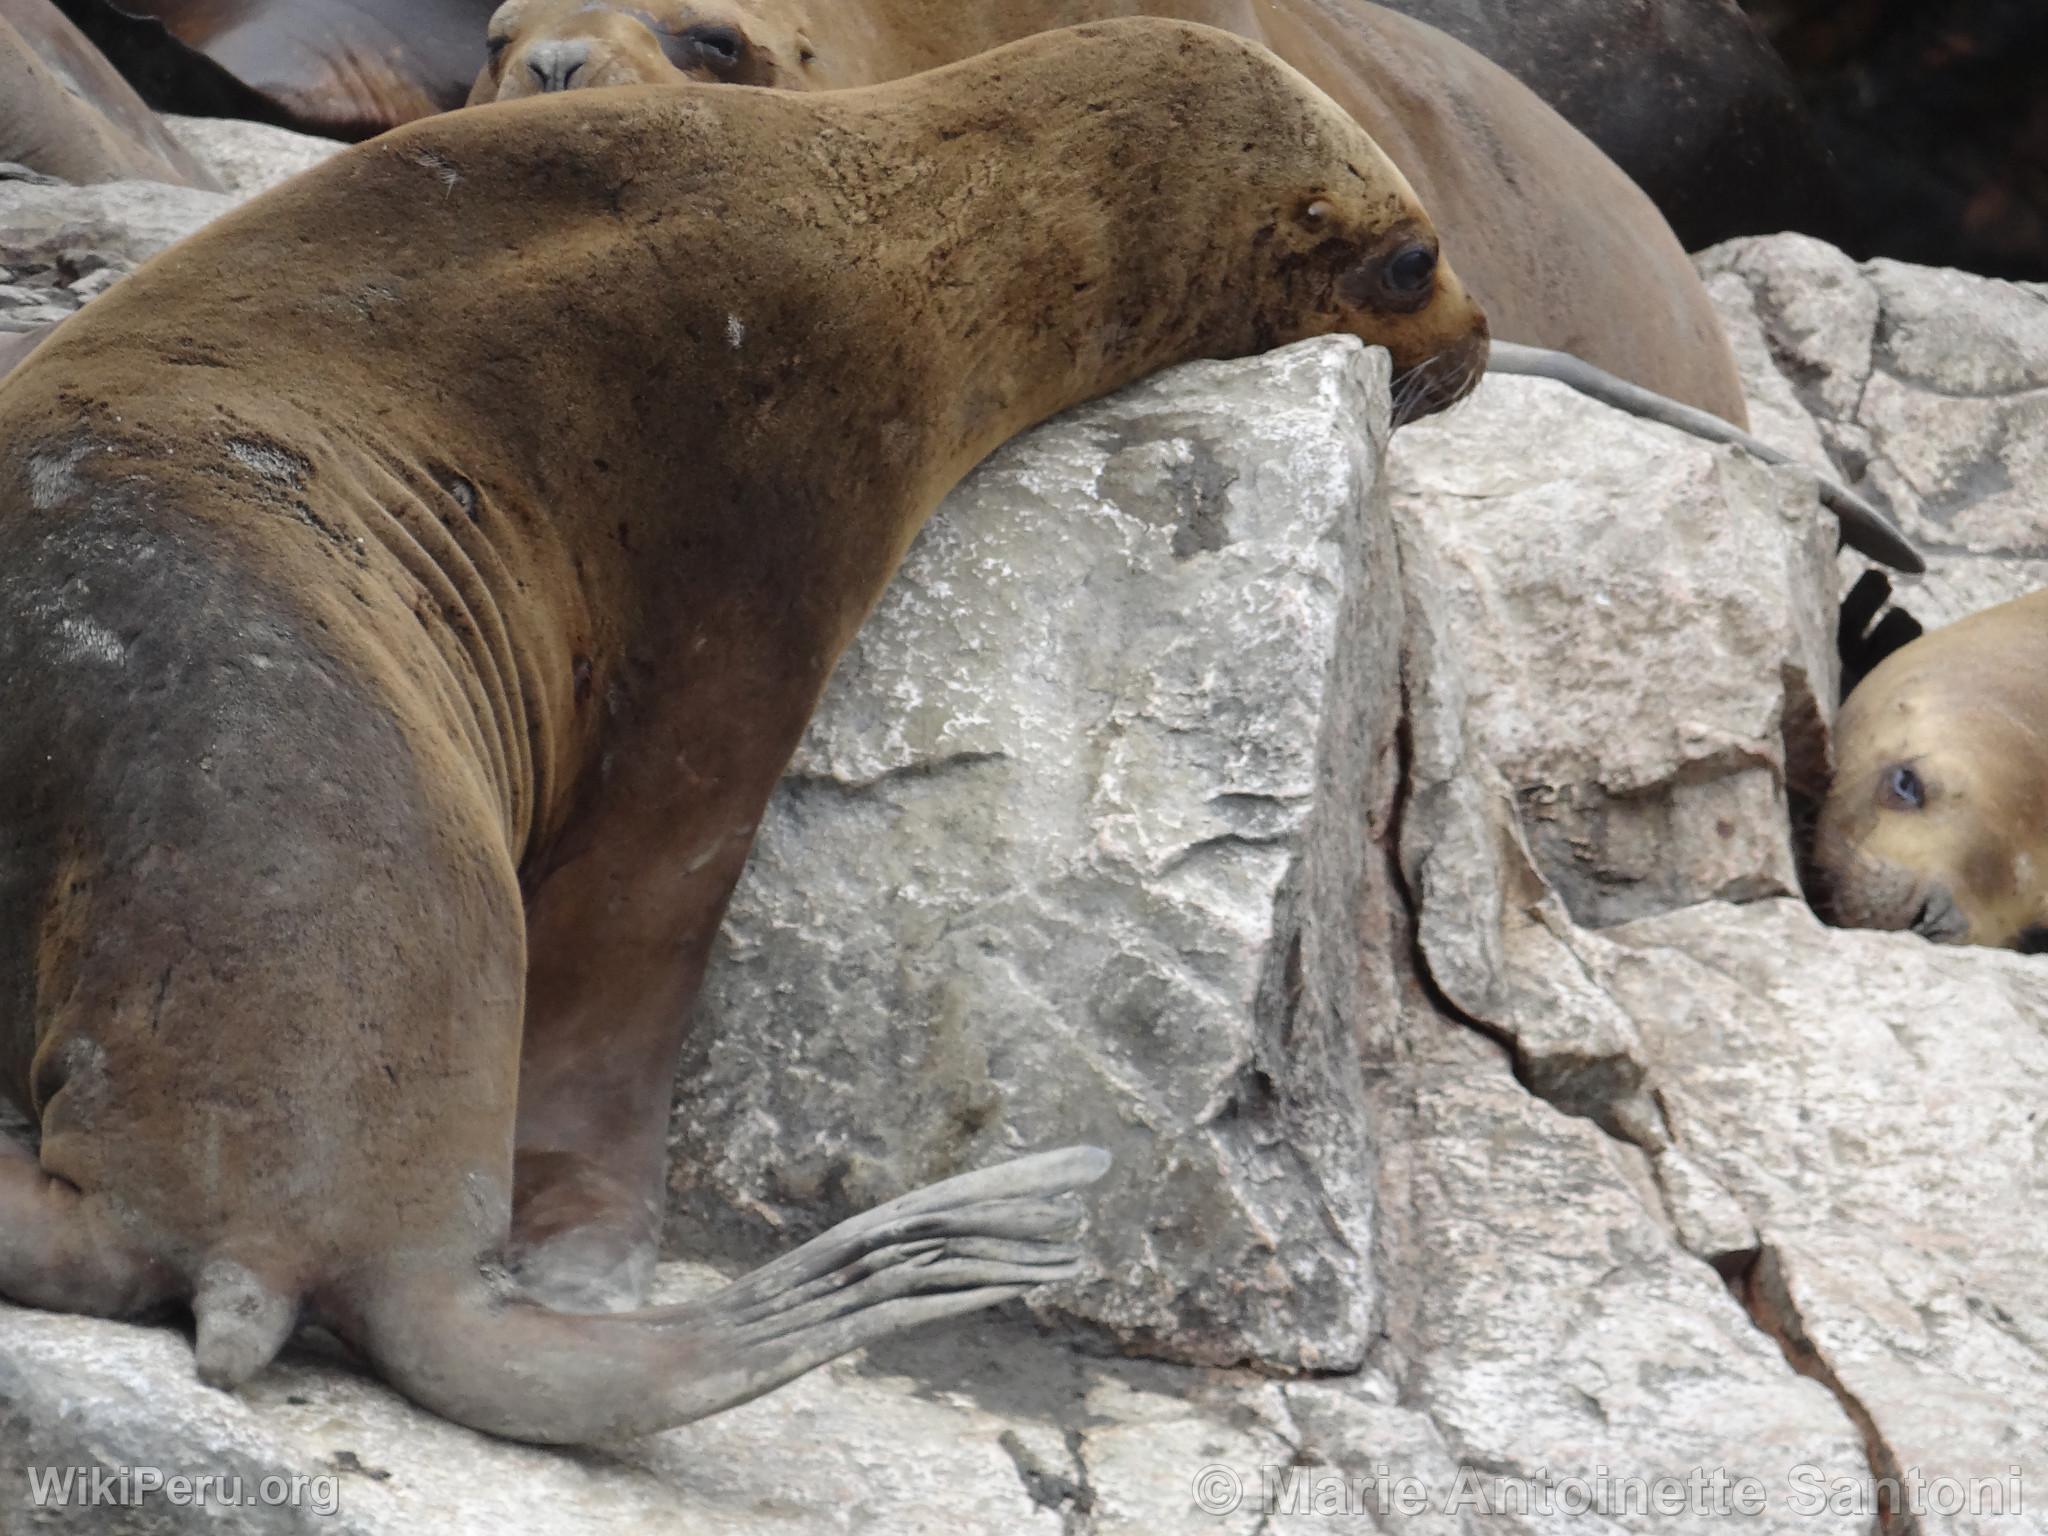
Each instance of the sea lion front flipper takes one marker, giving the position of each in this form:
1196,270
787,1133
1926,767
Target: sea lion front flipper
1864,528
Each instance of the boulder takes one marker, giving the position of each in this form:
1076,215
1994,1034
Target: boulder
1645,625
248,158
127,220
1929,389
1073,851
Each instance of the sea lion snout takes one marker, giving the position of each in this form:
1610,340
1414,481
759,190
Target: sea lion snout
1404,296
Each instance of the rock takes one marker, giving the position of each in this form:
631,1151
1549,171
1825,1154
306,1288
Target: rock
132,220
32,317
1835,1085
248,157
13,171
97,282
1073,851
1667,1159
1648,714
1930,389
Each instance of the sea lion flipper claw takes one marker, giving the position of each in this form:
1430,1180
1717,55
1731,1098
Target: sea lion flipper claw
1864,528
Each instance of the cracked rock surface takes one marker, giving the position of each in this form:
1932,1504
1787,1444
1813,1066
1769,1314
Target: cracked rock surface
1393,862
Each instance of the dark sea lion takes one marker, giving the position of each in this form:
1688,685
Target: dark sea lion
1937,818
1686,96
65,111
1561,249
414,584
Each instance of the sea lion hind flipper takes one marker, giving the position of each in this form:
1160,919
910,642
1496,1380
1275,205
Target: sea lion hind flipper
502,1364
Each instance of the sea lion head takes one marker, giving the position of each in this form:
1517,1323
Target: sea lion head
538,46
1339,241
1388,282
1935,816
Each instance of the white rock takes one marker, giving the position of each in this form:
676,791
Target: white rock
249,158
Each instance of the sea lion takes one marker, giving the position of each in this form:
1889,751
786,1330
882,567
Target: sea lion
16,345
416,582
1937,817
345,68
1557,245
66,112
1687,96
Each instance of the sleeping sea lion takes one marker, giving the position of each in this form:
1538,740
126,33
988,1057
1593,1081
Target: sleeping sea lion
1937,818
1558,245
411,589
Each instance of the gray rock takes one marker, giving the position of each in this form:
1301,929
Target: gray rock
132,220
249,158
1644,622
1930,389
1072,850
1835,1085
31,317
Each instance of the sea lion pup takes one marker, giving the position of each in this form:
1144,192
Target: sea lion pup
415,583
1938,811
1558,246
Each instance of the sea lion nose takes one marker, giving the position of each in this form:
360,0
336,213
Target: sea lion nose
553,64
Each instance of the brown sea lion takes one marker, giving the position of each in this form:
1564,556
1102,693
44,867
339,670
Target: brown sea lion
1560,248
1937,819
65,111
415,583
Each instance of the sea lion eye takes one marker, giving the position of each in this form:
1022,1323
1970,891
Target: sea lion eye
719,47
1411,270
1901,788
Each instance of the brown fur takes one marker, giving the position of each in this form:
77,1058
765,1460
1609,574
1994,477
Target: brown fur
416,583
1965,710
1560,248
